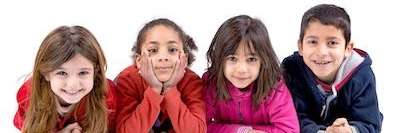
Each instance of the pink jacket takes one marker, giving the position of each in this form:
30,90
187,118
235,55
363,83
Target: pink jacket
276,114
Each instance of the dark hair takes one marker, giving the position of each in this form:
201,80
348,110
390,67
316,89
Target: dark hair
225,42
188,42
327,15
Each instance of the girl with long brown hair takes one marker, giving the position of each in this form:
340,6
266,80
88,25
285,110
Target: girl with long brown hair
68,91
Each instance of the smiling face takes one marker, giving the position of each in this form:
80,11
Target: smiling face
242,68
72,80
323,50
163,45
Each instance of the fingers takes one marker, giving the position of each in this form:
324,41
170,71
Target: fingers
75,131
178,72
74,128
341,122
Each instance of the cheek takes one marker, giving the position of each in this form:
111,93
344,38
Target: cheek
227,69
87,83
56,84
255,68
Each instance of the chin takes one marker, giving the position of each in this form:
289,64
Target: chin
72,101
163,78
240,85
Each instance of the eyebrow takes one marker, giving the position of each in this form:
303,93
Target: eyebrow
171,42
154,42
84,68
312,37
328,38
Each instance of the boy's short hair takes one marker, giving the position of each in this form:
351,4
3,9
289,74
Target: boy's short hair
327,14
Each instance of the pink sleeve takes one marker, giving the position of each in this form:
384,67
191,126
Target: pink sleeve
282,113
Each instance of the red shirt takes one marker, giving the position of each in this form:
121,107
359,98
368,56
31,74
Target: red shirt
139,106
76,116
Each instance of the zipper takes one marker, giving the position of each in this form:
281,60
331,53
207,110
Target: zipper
240,113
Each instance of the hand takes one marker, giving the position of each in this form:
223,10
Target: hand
71,128
177,73
340,125
144,64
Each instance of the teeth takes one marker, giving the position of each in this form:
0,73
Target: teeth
321,62
72,93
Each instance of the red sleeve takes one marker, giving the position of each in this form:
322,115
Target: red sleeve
111,105
23,102
185,106
138,106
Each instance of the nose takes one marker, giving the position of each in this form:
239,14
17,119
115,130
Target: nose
242,67
162,57
72,83
322,50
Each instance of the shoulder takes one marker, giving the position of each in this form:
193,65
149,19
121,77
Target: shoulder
130,71
190,76
24,92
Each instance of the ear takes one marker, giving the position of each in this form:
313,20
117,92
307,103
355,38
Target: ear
300,48
47,77
349,48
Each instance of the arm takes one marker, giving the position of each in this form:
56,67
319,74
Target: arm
214,124
23,102
307,124
111,105
365,114
186,108
136,113
281,110
294,76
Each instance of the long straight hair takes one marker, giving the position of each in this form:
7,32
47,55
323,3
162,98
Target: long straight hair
58,47
226,41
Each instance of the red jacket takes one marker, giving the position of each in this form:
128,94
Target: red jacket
77,115
139,106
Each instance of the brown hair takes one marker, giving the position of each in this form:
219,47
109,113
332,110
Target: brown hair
188,42
57,48
225,42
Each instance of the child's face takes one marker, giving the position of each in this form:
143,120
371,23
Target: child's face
163,45
242,68
323,50
72,80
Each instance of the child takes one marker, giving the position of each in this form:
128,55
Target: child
158,93
68,91
244,91
332,84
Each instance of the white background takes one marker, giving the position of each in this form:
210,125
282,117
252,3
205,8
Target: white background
24,24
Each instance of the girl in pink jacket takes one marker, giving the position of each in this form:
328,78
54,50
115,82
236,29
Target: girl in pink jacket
244,91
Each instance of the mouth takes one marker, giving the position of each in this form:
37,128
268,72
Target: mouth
71,93
321,62
164,68
242,78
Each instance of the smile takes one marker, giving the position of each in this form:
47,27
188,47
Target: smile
72,92
321,62
163,68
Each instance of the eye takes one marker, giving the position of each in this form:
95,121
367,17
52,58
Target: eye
61,73
231,58
83,73
252,59
152,50
332,43
311,41
173,50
